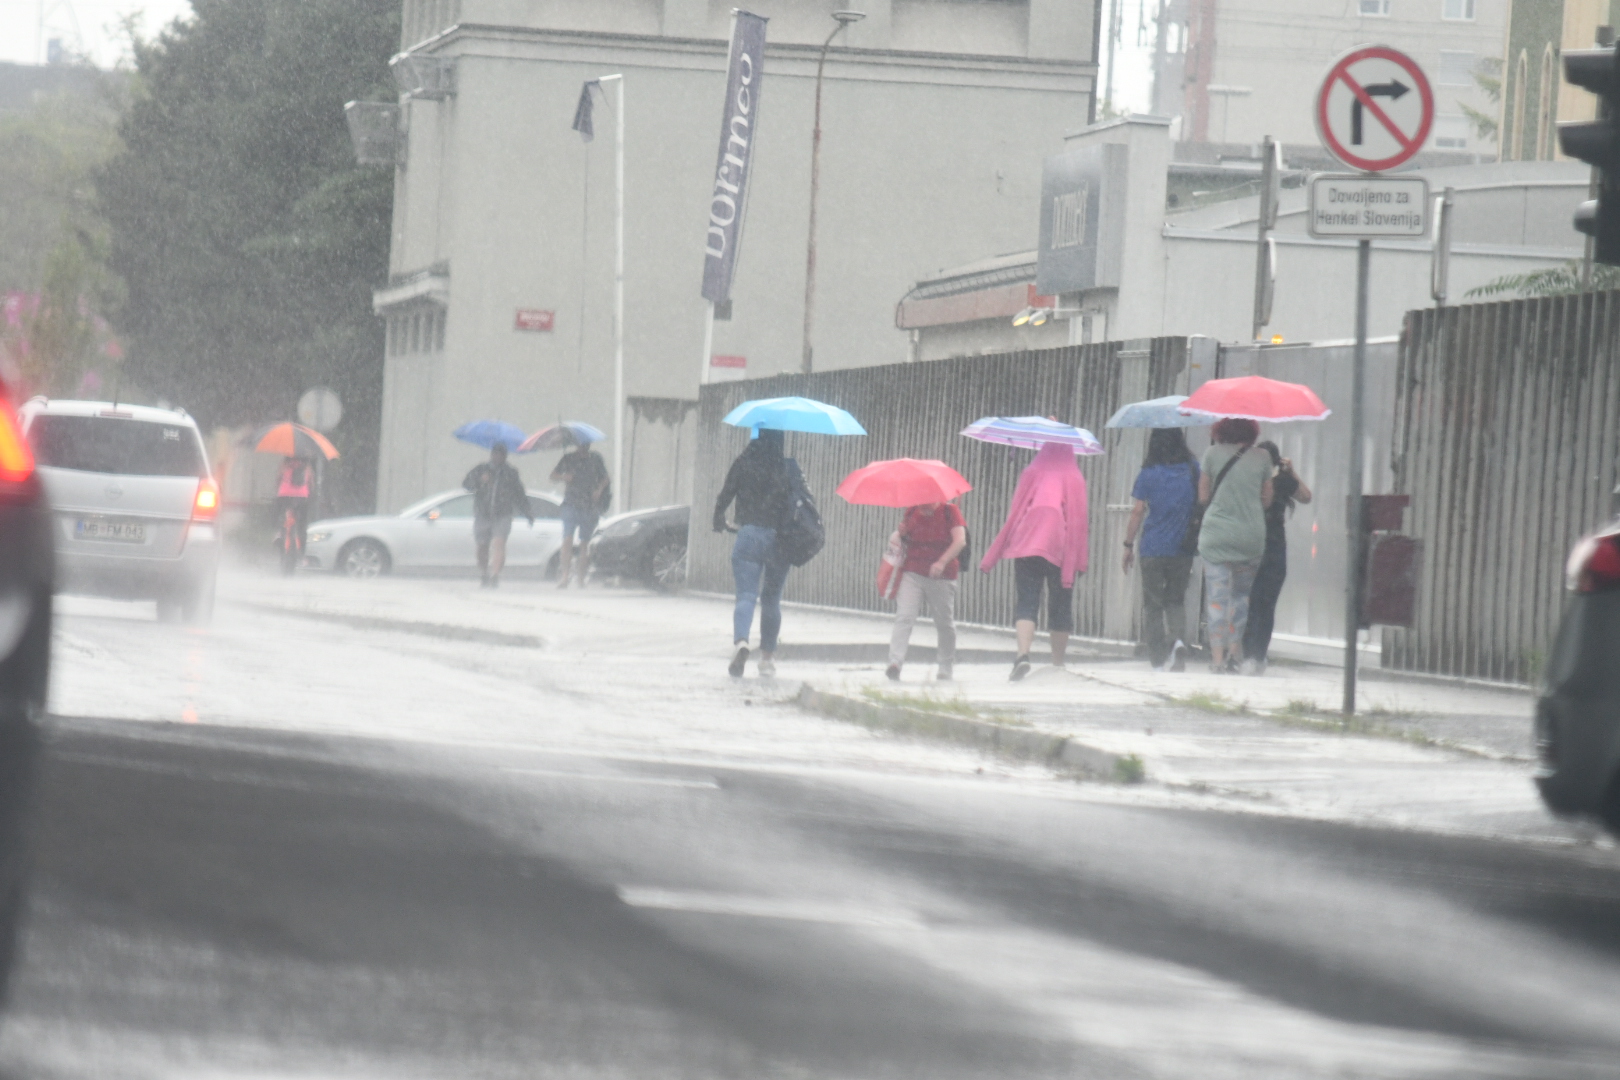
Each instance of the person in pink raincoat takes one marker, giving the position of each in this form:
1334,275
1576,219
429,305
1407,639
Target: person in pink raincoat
1045,536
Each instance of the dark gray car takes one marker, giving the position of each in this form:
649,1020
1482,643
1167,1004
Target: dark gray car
1578,713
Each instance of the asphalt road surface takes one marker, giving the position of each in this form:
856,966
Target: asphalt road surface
218,900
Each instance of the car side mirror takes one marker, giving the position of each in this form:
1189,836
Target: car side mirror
433,515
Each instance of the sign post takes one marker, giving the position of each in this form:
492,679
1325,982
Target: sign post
1374,111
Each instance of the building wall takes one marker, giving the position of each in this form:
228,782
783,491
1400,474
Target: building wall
1534,94
1279,50
927,159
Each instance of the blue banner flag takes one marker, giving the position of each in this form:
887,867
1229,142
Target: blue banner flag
738,133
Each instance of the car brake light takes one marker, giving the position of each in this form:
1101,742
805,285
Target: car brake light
16,459
207,503
1594,565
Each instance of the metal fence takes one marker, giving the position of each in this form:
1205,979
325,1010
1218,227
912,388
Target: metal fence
1506,428
916,410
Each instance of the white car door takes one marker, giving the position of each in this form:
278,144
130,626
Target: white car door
534,545
443,536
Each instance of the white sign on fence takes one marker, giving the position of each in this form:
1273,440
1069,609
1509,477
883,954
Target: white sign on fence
1363,206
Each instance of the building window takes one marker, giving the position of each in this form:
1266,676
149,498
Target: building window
1456,68
1374,7
1457,9
1451,133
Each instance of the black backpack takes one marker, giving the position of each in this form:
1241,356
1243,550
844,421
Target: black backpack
801,534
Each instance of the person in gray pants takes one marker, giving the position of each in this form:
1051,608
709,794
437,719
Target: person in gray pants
1163,498
934,535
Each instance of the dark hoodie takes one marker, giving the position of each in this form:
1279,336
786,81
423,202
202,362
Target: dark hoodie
758,481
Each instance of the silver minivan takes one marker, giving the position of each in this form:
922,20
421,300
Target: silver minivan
133,502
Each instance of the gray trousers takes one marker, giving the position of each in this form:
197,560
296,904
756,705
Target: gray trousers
940,593
1164,603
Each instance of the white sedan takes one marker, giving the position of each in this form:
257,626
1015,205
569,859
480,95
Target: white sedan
433,534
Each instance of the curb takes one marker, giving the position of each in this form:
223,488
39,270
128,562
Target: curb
446,631
1057,751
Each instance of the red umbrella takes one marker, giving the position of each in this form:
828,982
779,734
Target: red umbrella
903,482
1255,397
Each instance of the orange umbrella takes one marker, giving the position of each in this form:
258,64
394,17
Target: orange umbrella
294,440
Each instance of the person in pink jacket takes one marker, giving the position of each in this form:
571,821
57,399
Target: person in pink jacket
1045,536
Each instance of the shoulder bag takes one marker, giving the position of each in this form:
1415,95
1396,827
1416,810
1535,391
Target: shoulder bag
1195,520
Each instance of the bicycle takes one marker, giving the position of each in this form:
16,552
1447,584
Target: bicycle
290,543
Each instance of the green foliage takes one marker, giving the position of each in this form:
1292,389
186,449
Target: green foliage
1129,770
1562,280
1488,77
1212,702
249,239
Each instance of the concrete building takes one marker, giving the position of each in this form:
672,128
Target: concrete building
1232,72
1534,94
1192,271
936,116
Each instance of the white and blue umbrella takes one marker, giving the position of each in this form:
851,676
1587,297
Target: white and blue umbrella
1159,413
794,414
1032,433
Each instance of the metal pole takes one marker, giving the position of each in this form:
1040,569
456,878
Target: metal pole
1113,36
618,292
708,343
1263,252
806,364
1353,511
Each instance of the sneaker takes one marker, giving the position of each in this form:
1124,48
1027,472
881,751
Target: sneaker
944,673
767,667
738,662
483,582
494,582
1020,668
563,583
1177,662
1161,667
893,673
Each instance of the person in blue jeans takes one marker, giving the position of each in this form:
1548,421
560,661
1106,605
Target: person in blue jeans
1163,498
758,482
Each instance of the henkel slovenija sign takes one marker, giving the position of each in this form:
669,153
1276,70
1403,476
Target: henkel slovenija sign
1366,206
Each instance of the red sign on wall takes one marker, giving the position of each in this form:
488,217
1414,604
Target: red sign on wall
535,319
728,361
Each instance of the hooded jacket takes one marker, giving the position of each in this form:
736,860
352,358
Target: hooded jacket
758,480
1048,515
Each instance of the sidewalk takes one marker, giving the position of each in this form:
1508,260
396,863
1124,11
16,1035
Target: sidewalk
1437,757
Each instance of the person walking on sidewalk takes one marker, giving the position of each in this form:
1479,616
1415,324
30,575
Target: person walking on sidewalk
934,535
585,484
1286,489
498,495
1163,498
759,482
1045,535
1235,491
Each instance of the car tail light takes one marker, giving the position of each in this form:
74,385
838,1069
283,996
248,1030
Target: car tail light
1594,565
206,504
16,459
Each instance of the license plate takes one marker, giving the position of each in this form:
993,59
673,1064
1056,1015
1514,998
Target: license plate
122,532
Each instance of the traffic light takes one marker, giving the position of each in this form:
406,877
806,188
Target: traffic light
1597,142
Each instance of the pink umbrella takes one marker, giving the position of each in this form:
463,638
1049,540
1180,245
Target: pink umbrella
1255,397
903,482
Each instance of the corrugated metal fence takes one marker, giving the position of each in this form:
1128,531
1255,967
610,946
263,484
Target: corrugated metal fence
1506,429
916,410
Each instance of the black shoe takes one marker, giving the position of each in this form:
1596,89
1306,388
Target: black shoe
494,582
738,662
483,582
1020,668
893,673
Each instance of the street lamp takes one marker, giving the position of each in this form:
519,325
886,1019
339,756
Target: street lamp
843,18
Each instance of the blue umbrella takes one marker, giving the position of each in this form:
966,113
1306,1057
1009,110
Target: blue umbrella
1032,433
794,414
561,436
1158,413
487,433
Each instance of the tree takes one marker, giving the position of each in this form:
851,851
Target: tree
1564,280
1488,77
248,238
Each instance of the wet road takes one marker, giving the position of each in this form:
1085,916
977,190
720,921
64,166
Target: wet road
220,899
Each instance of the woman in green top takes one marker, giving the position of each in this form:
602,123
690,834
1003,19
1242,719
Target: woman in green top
1235,489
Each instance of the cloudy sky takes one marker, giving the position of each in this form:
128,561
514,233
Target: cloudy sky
92,23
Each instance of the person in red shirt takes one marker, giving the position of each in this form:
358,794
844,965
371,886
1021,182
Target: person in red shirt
934,535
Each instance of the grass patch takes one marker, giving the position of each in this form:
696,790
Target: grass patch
1302,707
939,705
1212,702
1129,770
1379,712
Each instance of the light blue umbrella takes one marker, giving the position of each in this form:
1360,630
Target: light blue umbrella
1158,413
1032,433
487,433
561,436
794,414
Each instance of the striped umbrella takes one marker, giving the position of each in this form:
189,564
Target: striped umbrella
1032,433
294,440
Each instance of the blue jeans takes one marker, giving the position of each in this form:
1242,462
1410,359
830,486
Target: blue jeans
759,575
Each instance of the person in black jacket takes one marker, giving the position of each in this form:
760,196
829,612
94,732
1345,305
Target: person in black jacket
497,495
758,481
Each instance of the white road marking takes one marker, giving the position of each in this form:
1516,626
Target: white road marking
657,781
770,907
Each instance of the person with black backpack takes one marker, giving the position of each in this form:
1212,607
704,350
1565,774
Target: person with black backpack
777,528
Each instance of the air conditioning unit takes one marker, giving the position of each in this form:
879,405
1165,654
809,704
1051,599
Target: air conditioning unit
374,130
418,75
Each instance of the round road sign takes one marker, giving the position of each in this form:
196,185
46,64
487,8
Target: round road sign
1375,108
320,409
